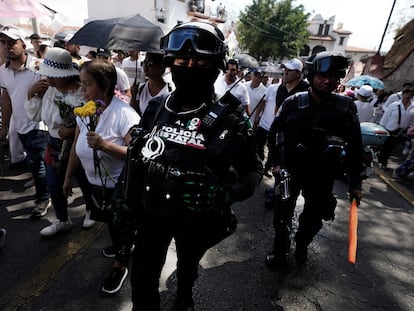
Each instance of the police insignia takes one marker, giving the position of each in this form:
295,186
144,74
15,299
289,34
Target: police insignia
153,147
181,136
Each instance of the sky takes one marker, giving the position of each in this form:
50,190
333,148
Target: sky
366,19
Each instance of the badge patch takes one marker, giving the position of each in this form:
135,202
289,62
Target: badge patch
186,137
154,146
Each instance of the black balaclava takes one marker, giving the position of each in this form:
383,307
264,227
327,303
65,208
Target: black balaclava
194,85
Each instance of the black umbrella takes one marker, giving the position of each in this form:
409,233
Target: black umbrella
121,33
246,61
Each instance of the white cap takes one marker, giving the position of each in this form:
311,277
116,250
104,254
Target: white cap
293,64
12,32
365,91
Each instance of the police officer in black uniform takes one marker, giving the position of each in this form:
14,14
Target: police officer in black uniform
198,157
314,137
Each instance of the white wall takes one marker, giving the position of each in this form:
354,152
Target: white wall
174,10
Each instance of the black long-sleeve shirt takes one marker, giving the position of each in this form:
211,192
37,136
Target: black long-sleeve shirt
308,126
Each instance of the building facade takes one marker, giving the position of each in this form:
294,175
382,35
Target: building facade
165,13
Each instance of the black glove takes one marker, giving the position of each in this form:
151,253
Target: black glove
355,194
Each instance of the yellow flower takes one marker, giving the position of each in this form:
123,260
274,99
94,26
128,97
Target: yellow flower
88,110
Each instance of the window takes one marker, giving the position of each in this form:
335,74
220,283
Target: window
326,30
341,40
320,30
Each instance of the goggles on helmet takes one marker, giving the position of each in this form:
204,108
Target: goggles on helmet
332,63
202,42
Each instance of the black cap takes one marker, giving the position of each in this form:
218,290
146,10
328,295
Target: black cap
103,52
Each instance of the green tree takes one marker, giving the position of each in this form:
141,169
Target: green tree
273,29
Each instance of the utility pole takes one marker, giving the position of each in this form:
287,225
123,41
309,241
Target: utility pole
386,26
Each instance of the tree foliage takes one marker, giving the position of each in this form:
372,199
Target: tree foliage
273,29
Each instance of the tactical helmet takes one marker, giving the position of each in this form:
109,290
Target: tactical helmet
325,62
194,39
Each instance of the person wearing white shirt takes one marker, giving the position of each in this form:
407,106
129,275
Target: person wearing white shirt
364,107
396,119
264,118
256,91
62,93
396,96
102,153
154,86
132,67
15,80
229,82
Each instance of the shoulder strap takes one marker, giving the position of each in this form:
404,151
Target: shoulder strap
303,101
152,113
140,89
399,115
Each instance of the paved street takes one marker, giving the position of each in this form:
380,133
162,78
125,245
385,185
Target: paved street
66,272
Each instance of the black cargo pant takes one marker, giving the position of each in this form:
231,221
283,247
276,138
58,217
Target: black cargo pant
193,237
319,204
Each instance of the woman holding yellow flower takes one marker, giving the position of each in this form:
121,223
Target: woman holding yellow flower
101,139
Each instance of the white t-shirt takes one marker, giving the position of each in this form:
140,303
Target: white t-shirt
114,124
133,69
239,91
17,84
47,110
122,81
268,114
145,96
365,111
255,95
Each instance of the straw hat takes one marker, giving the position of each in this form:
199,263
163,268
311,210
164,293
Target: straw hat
57,64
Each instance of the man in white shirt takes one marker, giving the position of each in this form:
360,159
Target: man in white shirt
74,50
256,91
264,118
396,119
229,82
396,96
132,67
15,80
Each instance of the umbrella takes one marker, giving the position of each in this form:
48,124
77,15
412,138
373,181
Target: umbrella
272,70
23,8
121,33
63,34
366,80
246,61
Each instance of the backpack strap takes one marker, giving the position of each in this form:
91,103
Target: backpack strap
303,100
140,89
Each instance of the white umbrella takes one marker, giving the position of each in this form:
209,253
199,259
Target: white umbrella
23,8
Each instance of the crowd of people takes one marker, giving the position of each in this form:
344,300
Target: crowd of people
193,145
394,112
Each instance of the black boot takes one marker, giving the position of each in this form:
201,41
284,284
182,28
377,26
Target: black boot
281,247
279,255
184,304
184,300
273,261
301,253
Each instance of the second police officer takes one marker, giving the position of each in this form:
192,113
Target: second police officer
314,137
198,156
